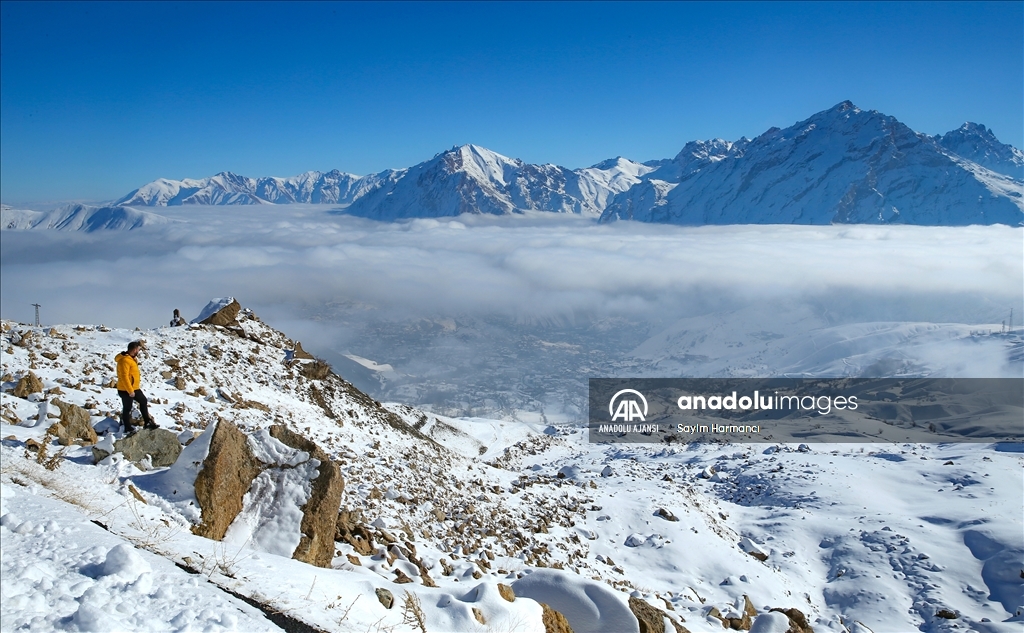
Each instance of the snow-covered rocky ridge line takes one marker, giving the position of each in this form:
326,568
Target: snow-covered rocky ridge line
696,532
80,217
842,165
464,179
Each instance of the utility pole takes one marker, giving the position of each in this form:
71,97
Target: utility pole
37,313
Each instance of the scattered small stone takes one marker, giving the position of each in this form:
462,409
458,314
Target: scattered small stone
401,578
386,597
506,592
667,515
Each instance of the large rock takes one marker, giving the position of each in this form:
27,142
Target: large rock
226,476
320,514
220,312
160,445
651,618
797,620
74,426
29,383
554,622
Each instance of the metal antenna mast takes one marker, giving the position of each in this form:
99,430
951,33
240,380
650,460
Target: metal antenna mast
37,313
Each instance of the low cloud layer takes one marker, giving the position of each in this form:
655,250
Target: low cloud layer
288,260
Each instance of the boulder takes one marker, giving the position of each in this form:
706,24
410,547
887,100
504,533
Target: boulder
506,592
226,475
666,514
401,578
223,312
320,513
161,445
797,620
74,426
554,622
386,597
29,383
651,618
350,529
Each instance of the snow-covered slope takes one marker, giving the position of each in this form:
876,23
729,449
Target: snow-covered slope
79,217
860,538
842,165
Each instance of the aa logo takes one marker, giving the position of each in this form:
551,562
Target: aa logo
628,409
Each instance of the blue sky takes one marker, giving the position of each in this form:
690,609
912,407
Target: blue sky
97,99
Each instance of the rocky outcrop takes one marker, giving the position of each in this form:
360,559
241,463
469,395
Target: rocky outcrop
28,384
226,476
320,514
74,426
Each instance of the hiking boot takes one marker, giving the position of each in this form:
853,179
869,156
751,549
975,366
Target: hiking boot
129,430
150,424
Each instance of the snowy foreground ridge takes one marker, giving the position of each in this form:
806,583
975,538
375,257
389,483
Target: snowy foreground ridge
438,524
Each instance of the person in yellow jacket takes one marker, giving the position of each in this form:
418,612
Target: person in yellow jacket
128,379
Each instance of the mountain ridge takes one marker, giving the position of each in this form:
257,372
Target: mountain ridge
841,165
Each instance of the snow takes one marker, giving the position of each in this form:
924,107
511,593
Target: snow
61,572
881,534
840,166
371,365
80,217
213,307
590,607
774,622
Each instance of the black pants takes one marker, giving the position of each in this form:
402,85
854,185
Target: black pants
126,407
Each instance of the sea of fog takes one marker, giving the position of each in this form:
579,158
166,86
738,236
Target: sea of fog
509,316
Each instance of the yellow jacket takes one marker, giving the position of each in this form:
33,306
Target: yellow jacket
127,373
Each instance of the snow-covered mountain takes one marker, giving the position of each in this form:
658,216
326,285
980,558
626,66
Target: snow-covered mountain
79,217
466,179
978,144
227,188
472,179
842,165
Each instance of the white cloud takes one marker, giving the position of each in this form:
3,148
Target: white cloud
531,267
